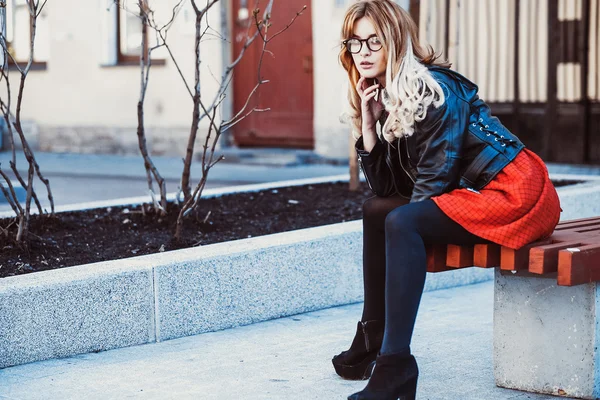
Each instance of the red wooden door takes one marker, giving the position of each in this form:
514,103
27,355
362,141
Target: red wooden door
288,68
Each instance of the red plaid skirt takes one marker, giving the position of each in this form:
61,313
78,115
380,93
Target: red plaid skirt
520,205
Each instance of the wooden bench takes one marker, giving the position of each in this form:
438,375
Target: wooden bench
546,308
573,252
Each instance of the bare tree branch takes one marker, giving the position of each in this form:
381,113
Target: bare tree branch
164,39
233,123
7,114
27,151
14,121
205,147
197,117
228,74
192,203
24,217
205,9
6,52
13,162
176,11
185,176
299,13
9,199
13,166
41,8
191,200
201,108
243,109
146,15
12,196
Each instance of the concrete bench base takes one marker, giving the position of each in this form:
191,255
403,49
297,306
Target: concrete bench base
546,336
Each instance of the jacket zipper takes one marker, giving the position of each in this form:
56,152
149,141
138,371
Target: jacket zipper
364,173
402,164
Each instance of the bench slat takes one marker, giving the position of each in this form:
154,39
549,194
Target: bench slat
576,233
436,258
574,226
575,267
486,255
576,221
544,259
459,256
573,252
590,230
518,260
569,235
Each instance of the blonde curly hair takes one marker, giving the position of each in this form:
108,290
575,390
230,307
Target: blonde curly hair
410,88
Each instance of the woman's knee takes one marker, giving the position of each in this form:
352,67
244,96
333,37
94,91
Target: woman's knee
398,220
408,218
369,207
376,208
411,217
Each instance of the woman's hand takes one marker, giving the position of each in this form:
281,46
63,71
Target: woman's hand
371,108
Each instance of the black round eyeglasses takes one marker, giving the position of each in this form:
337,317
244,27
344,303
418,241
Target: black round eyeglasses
355,45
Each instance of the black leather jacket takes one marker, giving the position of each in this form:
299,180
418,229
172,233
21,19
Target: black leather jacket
458,145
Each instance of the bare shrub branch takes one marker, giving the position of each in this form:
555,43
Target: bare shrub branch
202,109
10,194
14,121
146,16
191,200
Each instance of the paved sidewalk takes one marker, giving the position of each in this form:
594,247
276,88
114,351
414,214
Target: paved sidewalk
286,358
260,165
250,166
79,178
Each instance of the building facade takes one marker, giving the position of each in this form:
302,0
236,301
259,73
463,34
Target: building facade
536,62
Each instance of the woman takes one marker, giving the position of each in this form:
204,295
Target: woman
443,170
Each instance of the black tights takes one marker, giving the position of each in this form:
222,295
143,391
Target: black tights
395,261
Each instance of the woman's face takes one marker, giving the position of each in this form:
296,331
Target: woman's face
370,64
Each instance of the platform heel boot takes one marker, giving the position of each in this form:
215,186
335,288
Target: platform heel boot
357,362
394,378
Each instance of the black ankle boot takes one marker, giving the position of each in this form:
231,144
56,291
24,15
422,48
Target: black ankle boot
357,362
394,377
